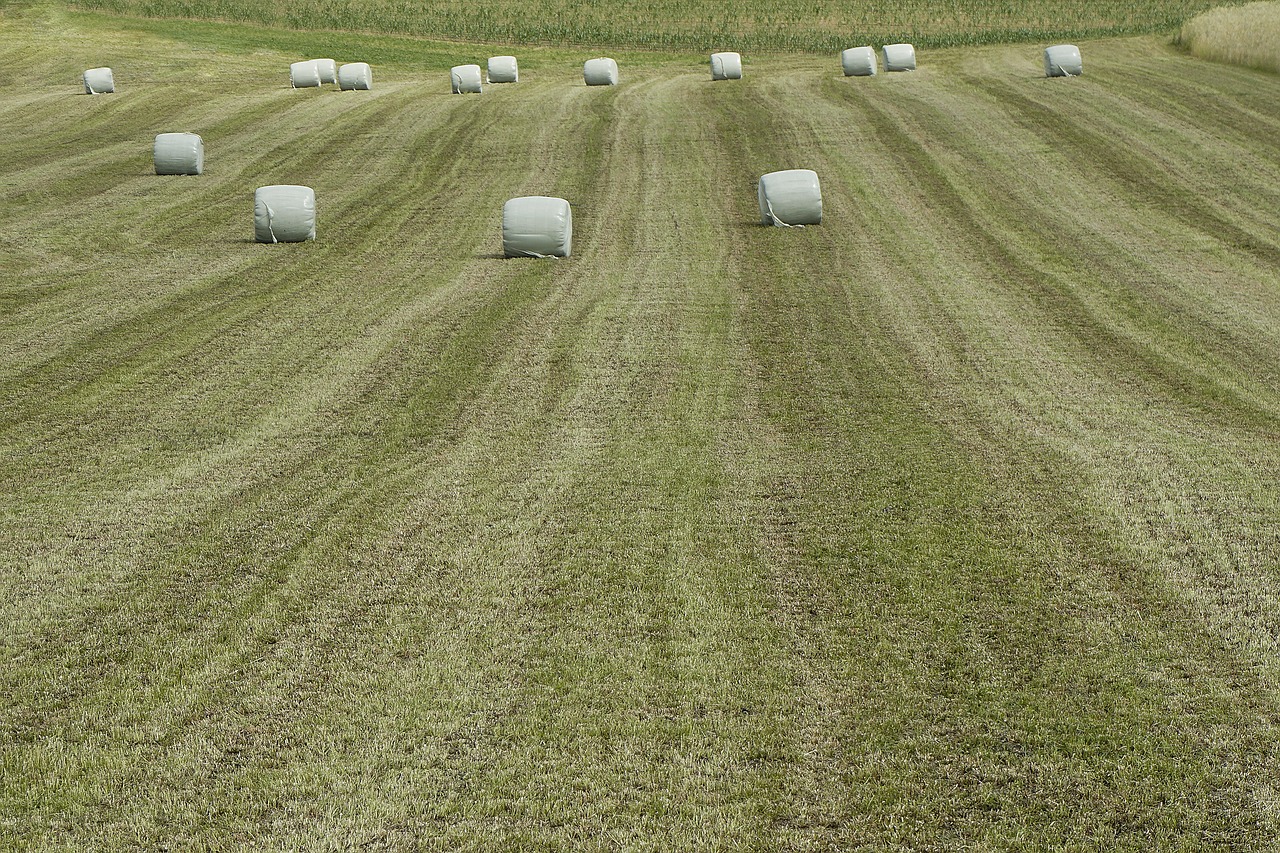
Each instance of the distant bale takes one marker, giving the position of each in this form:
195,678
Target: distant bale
284,213
899,57
859,62
790,197
466,79
600,72
179,154
503,69
1062,60
99,81
726,66
304,74
355,75
327,69
537,226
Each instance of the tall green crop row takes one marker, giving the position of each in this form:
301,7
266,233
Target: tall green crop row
755,25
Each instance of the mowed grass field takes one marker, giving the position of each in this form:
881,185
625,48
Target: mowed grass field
947,524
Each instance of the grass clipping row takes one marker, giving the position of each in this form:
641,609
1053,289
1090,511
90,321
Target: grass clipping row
1241,35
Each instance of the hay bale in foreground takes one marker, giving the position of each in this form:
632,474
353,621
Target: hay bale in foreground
304,74
899,57
327,69
466,79
178,154
537,226
284,213
726,66
859,61
1063,60
504,69
600,72
355,75
791,197
99,81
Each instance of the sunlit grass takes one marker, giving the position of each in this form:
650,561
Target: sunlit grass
1242,35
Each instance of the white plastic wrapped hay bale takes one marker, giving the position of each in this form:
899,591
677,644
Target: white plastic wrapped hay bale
859,61
466,79
179,154
790,197
726,65
99,81
284,213
355,75
537,226
600,72
504,69
1063,60
327,69
304,74
899,57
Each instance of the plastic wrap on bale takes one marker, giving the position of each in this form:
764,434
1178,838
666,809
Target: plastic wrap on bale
726,65
898,57
99,81
466,80
178,154
504,69
602,71
790,197
304,74
537,226
1063,60
355,75
859,62
284,213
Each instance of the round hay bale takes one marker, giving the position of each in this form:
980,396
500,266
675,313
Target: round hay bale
600,72
327,69
466,79
791,197
355,75
726,66
179,154
899,57
284,213
99,81
304,74
859,62
1062,60
537,226
503,69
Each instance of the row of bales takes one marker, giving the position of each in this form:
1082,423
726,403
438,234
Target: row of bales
532,226
1061,60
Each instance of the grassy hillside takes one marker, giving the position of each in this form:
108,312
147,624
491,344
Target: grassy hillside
946,523
759,25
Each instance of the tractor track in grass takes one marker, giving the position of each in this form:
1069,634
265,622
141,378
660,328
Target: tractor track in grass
940,524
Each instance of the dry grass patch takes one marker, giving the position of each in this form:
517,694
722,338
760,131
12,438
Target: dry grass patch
1246,35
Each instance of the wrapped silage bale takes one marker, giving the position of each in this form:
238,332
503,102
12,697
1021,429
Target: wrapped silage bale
899,57
1063,60
600,72
466,79
790,197
327,69
503,69
304,74
179,154
537,226
859,62
284,213
99,81
355,75
726,65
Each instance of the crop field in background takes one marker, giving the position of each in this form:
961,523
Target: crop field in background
947,524
1242,35
752,25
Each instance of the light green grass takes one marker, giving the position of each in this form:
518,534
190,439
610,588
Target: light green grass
1246,35
946,524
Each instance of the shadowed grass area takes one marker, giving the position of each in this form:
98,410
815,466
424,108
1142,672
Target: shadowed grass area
944,524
